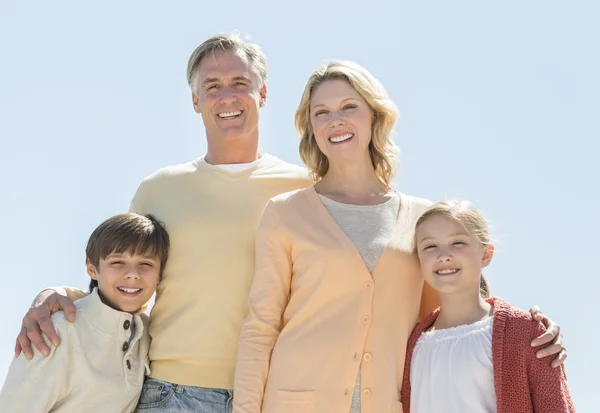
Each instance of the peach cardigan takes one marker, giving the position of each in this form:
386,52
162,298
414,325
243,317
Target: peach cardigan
317,314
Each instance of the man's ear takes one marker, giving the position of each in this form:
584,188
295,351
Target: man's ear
263,96
196,103
91,270
488,254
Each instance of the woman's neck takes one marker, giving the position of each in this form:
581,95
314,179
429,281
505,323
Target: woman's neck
353,183
460,309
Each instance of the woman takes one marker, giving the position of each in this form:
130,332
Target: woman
337,290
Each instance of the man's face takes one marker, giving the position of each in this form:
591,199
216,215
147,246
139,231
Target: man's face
228,94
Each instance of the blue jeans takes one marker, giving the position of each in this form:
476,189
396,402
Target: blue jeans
164,397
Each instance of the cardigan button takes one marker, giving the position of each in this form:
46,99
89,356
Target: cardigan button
365,319
368,285
126,324
367,393
367,357
125,346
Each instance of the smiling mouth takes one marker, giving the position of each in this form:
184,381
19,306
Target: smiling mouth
230,115
341,138
446,272
129,291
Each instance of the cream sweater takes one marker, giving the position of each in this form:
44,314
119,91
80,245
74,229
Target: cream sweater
211,215
317,315
98,366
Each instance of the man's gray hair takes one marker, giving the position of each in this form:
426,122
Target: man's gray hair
225,42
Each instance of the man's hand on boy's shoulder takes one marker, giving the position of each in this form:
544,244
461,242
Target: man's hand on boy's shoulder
551,335
37,321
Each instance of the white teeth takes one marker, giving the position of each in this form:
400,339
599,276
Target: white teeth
229,114
447,271
341,138
130,290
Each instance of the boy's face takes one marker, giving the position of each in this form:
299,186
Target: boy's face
126,282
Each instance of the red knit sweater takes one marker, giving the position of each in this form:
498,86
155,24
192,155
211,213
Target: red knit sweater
523,383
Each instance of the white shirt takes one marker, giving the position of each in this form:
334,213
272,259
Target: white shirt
95,369
241,167
452,370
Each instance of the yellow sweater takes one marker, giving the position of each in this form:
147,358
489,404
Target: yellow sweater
211,216
316,313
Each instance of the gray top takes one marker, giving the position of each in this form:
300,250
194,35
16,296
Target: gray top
370,228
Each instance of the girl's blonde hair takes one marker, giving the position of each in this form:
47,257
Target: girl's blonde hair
382,149
465,213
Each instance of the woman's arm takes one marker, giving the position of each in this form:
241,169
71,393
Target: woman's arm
430,300
267,300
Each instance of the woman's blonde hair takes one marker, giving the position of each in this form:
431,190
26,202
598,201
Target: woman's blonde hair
382,149
465,213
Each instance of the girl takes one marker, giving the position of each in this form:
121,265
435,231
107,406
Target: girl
473,354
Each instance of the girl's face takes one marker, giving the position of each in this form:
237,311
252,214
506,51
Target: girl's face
341,120
451,257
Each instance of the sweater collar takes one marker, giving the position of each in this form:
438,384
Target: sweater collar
108,320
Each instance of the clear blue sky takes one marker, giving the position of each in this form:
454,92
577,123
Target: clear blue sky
499,104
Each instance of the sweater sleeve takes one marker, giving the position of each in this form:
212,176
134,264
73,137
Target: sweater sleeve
37,385
267,300
547,385
73,293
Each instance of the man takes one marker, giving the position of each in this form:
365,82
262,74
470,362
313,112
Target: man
211,208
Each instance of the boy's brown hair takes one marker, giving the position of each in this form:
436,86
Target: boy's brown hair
133,233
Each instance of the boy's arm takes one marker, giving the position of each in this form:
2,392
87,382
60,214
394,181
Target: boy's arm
36,386
547,385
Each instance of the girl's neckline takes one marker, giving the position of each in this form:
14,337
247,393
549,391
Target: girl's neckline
459,331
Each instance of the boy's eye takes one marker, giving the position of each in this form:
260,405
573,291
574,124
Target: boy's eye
149,264
116,262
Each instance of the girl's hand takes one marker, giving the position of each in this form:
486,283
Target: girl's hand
552,335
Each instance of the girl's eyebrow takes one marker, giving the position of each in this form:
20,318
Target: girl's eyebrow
456,234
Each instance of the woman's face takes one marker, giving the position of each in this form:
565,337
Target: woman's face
341,120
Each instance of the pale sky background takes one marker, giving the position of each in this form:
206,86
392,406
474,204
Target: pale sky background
499,104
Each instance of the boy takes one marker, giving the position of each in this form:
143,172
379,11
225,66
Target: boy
103,356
